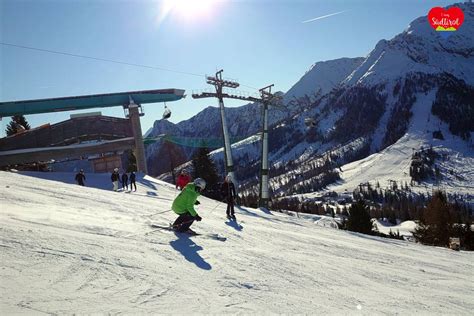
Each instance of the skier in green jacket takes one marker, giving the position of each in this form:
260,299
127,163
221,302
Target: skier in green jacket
184,203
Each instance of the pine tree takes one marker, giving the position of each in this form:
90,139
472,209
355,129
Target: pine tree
359,218
16,124
205,168
392,218
132,162
436,223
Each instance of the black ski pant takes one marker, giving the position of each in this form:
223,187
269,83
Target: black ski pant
125,185
132,182
183,222
230,207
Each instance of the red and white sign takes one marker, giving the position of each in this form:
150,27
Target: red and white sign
441,19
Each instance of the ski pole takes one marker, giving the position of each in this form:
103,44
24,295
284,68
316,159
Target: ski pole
217,204
162,212
150,216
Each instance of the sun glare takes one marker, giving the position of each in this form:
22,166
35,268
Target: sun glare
187,9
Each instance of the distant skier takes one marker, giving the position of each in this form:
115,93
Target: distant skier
228,195
184,203
183,179
124,181
80,177
115,177
132,181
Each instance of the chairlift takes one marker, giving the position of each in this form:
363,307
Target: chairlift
310,122
166,113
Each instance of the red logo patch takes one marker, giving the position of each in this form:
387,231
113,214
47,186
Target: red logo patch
445,20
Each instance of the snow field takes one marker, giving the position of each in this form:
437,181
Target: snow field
72,249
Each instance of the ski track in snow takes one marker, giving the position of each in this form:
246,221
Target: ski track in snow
69,249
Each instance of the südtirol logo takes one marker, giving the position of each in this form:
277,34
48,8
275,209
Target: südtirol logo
445,21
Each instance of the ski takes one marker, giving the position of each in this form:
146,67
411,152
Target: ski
190,234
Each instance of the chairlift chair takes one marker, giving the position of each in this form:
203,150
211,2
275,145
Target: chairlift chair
166,113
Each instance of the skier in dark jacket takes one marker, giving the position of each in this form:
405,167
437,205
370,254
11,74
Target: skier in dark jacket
228,195
132,181
80,177
124,181
115,177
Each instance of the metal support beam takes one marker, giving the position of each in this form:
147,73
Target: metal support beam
134,116
267,98
229,164
11,108
264,195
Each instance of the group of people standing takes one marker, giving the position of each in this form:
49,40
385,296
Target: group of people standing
116,179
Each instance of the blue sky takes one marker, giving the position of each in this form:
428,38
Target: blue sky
256,42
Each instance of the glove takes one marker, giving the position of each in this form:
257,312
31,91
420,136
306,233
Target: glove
197,203
198,218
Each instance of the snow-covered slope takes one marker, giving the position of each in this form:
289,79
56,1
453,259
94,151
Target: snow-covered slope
393,163
80,250
404,229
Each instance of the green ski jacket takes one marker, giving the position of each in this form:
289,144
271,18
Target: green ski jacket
184,202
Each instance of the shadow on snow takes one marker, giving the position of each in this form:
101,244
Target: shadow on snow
189,249
234,225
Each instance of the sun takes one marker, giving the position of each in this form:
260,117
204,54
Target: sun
194,8
187,9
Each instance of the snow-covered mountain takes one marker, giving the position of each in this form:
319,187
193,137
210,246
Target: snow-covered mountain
420,49
322,77
406,91
413,91
245,120
393,163
67,249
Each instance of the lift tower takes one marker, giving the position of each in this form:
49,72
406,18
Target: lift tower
266,99
219,83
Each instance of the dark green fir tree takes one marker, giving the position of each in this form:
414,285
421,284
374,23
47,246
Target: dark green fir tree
359,218
17,124
205,168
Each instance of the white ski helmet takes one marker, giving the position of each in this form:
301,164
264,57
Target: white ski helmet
200,183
